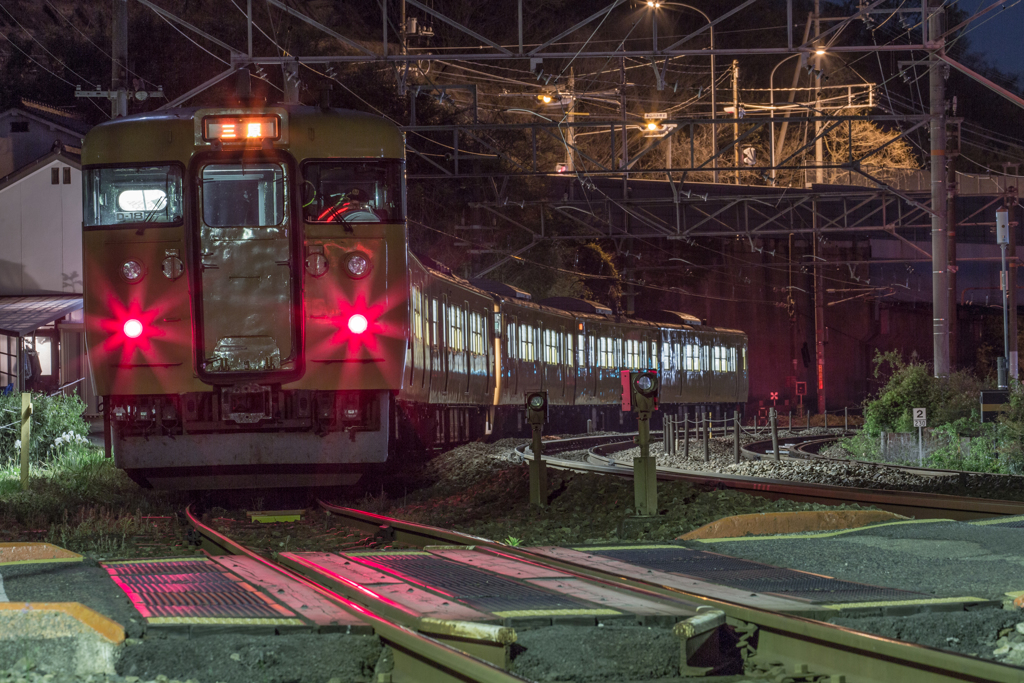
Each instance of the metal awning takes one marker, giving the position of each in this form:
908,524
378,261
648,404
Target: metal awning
20,316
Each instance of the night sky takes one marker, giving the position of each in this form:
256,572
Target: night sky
1000,38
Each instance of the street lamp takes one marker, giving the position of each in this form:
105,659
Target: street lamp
657,4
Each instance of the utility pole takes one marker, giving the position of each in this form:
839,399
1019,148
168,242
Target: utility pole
1011,297
570,133
119,92
119,60
736,117
937,111
951,185
819,306
819,171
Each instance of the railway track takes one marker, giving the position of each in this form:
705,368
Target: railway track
771,645
600,452
419,651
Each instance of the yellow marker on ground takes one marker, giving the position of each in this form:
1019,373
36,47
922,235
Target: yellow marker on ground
774,523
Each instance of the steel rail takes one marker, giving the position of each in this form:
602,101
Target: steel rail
799,643
417,656
908,503
759,450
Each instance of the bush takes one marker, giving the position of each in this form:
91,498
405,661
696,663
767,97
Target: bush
911,385
986,444
58,429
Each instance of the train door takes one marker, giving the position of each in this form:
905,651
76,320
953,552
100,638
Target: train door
570,364
436,376
465,368
512,341
247,295
590,373
445,347
562,360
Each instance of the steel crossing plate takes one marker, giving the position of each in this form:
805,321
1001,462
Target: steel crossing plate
754,576
194,590
479,589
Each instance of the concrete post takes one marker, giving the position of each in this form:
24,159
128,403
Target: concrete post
736,438
775,433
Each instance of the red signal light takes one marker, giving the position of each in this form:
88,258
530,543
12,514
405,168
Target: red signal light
132,328
357,324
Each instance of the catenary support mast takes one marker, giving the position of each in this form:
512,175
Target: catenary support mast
937,110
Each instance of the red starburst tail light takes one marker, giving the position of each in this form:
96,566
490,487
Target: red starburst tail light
130,328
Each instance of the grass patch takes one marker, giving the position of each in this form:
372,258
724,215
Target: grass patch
80,501
492,500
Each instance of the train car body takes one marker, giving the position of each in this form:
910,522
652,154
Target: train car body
246,279
477,348
254,318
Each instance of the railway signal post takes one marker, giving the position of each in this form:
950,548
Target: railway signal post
537,413
643,398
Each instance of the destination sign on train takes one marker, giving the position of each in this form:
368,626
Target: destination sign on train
240,128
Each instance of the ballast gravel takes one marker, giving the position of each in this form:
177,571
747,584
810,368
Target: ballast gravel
833,471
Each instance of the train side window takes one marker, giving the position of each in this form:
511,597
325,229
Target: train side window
654,356
568,347
704,361
417,313
677,355
434,323
581,350
130,195
510,339
352,191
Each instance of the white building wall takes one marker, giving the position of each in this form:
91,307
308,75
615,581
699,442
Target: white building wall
41,233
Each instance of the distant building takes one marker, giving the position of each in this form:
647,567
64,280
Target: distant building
30,131
42,345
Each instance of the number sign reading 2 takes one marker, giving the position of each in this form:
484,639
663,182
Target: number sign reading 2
920,417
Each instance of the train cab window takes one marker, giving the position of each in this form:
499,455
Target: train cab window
243,195
124,196
352,191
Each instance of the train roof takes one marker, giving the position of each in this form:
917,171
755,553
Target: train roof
312,133
673,319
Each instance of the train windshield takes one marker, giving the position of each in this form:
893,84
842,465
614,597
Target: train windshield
352,191
124,196
243,195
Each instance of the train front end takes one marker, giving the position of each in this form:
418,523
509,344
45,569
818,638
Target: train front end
246,293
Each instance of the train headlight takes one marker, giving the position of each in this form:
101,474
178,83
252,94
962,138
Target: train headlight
357,324
132,328
357,265
132,271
